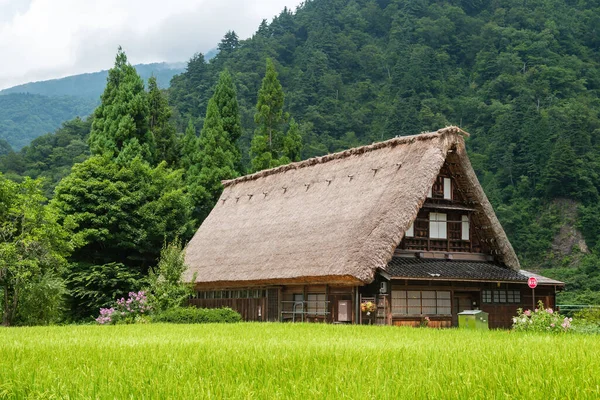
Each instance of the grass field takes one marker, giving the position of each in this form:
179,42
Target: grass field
301,361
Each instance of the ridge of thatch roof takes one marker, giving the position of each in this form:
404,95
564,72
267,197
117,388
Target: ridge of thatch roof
335,218
343,154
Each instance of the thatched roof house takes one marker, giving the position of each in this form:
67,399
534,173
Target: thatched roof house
336,219
333,218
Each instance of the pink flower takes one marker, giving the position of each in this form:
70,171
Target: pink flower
527,312
549,311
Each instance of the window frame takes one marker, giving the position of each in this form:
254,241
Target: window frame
404,303
501,296
435,223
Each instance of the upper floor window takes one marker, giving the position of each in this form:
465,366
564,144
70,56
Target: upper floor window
465,231
441,189
438,226
447,189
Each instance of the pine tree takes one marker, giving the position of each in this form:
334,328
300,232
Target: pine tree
270,147
162,130
216,161
121,119
292,144
561,173
226,100
189,147
229,42
269,116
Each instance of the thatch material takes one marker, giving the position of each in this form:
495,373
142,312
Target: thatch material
340,215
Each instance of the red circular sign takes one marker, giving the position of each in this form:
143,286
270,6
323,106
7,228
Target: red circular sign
532,282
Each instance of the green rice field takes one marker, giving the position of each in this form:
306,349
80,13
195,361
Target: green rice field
293,361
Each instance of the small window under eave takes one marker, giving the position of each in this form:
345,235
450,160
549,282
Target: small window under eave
410,232
447,189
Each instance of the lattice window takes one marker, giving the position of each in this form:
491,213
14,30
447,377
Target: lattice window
421,302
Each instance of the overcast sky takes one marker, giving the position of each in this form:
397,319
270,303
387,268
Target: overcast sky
46,39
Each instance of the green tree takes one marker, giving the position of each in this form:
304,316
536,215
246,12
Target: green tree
561,174
270,147
162,130
215,161
226,101
166,289
292,144
123,213
269,109
229,42
33,248
189,147
121,119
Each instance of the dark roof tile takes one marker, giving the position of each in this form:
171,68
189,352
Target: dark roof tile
437,269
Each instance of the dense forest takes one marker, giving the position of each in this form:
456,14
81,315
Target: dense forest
23,117
522,78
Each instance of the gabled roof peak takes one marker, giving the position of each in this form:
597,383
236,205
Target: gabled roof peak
347,153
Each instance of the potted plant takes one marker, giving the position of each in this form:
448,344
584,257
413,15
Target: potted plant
368,307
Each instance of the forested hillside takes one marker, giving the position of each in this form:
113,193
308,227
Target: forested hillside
23,117
522,78
33,109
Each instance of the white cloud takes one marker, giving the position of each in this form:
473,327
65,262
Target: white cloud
45,39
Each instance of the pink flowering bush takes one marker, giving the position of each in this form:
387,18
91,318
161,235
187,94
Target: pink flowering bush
541,320
134,309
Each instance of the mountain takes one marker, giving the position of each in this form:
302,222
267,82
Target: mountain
23,117
522,78
91,85
33,109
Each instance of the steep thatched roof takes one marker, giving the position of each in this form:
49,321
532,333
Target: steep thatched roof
335,218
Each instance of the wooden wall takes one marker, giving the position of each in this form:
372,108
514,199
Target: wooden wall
277,303
500,314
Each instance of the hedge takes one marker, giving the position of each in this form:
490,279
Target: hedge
194,315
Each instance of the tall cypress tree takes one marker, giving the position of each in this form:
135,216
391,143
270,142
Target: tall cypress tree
216,161
121,119
163,131
270,147
225,98
269,117
292,144
189,147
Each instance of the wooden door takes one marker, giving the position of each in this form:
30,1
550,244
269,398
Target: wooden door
462,302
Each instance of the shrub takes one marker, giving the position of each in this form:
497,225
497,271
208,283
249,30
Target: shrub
41,301
588,321
130,311
541,320
166,289
591,315
193,315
